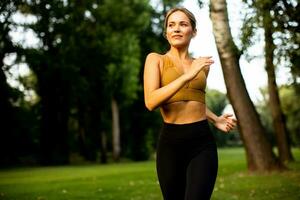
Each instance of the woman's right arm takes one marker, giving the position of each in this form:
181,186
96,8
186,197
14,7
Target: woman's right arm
154,94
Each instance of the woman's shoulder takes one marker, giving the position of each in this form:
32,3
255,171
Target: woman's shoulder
155,56
155,59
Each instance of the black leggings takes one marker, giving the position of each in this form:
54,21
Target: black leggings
187,161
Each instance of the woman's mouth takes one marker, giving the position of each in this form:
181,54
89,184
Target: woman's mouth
176,36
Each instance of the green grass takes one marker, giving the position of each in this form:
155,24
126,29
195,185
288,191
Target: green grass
137,181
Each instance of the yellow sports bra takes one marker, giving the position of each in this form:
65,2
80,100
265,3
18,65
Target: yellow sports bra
194,90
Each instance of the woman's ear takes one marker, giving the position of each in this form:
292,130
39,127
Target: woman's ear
194,32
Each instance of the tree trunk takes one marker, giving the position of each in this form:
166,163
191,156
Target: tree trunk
115,130
260,156
87,133
279,124
8,123
82,143
54,120
103,148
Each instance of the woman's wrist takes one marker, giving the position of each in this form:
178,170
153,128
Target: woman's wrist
214,120
185,78
211,117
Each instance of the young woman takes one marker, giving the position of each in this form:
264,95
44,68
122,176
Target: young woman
187,160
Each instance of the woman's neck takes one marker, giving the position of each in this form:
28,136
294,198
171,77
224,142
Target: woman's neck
182,53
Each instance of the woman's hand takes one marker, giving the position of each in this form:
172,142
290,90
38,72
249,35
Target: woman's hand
225,122
197,65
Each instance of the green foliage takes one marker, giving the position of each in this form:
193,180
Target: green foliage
140,128
264,111
123,23
284,23
217,101
290,106
88,52
97,56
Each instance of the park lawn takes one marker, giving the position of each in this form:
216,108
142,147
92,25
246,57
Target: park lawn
137,181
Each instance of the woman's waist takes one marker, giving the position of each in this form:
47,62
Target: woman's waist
183,112
189,131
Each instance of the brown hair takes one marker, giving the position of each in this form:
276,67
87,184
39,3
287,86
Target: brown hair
188,13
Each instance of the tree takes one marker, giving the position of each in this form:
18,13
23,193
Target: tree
54,78
263,18
258,150
285,15
142,127
124,22
8,119
90,55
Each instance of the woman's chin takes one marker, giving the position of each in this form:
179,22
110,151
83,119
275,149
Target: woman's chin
179,44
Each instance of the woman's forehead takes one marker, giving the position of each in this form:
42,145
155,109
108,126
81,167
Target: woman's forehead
178,16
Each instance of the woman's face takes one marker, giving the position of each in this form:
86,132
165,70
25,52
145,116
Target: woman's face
179,31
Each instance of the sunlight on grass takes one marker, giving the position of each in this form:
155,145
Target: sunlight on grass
137,181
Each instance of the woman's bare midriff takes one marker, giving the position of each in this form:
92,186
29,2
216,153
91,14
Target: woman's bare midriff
183,112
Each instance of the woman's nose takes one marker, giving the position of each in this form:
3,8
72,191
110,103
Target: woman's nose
176,29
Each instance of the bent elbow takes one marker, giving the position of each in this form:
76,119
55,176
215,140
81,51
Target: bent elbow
149,106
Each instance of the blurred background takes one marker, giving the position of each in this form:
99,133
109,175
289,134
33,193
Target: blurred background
71,78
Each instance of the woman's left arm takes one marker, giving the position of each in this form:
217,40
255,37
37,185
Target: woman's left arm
224,122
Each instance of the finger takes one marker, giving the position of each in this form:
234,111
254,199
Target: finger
227,130
233,119
227,115
207,65
230,120
233,122
230,126
205,57
209,61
